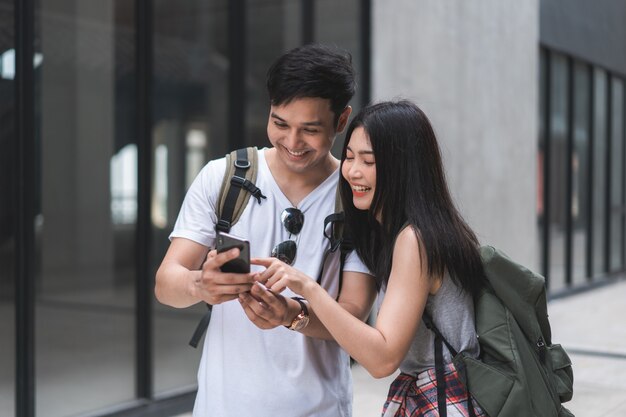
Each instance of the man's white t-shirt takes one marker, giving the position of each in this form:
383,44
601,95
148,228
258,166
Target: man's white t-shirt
246,371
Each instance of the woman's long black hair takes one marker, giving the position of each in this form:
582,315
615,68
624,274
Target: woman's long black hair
411,189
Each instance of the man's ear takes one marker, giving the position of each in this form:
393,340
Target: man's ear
343,119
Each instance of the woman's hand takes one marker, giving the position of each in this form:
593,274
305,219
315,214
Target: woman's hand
278,276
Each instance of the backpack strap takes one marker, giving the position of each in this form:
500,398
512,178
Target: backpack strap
334,231
440,340
240,175
201,327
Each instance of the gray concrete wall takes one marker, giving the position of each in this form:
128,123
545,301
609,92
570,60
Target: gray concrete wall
472,67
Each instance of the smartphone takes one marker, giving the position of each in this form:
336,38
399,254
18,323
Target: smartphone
240,264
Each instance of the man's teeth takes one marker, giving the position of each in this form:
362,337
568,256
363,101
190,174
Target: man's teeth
360,188
294,153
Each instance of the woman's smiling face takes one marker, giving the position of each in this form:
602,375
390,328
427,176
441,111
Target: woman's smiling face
359,169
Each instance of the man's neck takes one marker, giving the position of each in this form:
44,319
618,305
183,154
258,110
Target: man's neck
297,185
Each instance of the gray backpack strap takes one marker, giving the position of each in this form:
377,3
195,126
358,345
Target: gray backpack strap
241,173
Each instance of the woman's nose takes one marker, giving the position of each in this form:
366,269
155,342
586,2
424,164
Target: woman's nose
354,171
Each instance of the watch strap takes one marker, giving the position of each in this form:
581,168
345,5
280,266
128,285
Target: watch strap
303,306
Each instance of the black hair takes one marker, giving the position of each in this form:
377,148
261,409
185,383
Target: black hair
313,71
410,189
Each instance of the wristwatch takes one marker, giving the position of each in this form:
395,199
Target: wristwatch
302,319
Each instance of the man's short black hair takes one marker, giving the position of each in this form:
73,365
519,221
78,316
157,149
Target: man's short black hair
313,71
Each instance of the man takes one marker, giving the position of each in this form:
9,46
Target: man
261,356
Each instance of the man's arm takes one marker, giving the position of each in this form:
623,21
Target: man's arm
189,273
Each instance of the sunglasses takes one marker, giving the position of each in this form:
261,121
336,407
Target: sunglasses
293,220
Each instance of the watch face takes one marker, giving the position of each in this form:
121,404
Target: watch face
302,319
300,322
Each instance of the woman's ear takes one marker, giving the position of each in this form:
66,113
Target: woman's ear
343,119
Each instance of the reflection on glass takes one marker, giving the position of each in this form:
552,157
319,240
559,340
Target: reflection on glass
7,209
580,172
190,105
599,170
338,23
85,235
558,169
273,28
617,175
196,153
159,190
541,151
123,168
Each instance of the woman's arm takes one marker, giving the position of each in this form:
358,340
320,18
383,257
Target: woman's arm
269,309
379,349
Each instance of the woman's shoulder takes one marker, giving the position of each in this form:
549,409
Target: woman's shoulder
407,242
408,235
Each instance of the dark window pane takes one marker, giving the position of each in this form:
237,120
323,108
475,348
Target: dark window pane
580,172
338,23
7,209
542,175
617,175
273,27
558,169
85,226
599,171
190,115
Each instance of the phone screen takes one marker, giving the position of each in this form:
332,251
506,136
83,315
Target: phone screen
240,264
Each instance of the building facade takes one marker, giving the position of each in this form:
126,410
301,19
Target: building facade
108,109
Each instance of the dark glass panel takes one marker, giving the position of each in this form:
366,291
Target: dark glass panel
338,23
616,261
86,218
273,27
190,116
558,169
599,170
580,172
541,152
8,213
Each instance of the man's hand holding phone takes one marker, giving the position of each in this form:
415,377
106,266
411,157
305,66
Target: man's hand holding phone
240,264
226,271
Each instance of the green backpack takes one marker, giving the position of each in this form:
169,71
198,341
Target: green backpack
519,372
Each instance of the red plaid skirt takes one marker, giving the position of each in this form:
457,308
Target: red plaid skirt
411,396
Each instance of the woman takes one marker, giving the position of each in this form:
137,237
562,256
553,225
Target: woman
425,257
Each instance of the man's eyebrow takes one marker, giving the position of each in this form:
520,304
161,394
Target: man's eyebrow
312,123
274,115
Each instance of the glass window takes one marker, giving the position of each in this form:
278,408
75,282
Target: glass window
190,116
541,152
7,208
558,169
617,175
86,221
338,23
599,188
580,172
273,27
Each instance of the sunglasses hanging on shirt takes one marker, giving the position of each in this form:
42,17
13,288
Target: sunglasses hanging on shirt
293,220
